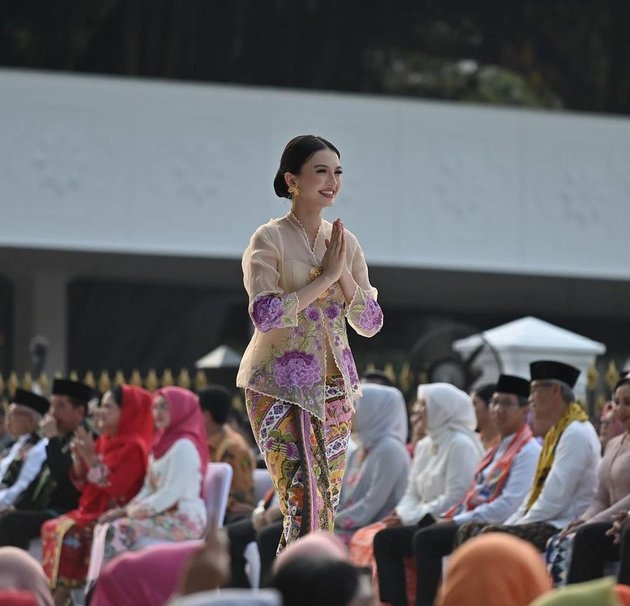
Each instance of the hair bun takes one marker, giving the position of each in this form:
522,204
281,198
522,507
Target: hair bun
280,185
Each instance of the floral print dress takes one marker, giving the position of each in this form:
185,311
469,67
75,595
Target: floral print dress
298,371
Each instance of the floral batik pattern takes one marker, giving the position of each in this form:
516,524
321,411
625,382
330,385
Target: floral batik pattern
169,526
294,368
66,551
305,456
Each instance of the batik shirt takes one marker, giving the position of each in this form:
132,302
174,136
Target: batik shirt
286,357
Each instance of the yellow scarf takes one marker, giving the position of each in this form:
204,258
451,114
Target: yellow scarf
574,412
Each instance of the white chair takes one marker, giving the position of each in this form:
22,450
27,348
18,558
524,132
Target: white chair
262,483
216,490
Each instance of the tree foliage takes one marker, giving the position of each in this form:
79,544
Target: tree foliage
569,53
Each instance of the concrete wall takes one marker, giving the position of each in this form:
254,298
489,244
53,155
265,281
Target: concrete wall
115,165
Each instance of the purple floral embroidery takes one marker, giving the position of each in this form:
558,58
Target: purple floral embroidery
348,362
296,369
332,311
372,316
312,313
267,313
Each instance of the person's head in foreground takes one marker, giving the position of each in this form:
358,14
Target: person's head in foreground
494,569
315,570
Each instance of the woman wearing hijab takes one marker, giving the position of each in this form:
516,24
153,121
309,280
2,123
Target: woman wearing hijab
21,573
494,569
443,466
169,506
109,472
376,473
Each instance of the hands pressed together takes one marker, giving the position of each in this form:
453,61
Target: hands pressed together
333,261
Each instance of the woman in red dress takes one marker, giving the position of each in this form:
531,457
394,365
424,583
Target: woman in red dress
110,472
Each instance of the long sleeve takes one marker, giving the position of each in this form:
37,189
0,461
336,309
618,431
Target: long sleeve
517,486
120,480
460,466
383,468
450,474
601,502
33,462
58,461
181,471
411,499
363,313
269,306
571,482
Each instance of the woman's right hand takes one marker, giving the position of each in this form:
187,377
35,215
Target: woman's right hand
334,259
112,514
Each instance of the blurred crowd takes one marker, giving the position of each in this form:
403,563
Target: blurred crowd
506,495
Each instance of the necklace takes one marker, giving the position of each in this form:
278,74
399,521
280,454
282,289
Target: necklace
306,238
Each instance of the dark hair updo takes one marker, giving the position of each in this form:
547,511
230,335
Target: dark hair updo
297,152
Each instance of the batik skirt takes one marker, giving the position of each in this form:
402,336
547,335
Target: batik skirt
66,551
306,457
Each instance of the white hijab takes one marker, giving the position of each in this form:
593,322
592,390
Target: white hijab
447,409
380,412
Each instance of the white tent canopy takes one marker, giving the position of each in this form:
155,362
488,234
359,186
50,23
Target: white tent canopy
221,357
522,341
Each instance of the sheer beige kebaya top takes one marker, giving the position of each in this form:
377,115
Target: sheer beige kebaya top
292,352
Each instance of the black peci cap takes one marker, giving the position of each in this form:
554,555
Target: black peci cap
74,389
31,400
545,370
514,385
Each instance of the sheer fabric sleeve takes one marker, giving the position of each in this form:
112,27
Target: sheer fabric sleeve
363,313
269,306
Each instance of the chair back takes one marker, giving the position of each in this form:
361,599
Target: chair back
216,490
262,484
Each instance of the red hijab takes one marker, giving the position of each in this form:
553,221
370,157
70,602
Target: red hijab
186,421
128,449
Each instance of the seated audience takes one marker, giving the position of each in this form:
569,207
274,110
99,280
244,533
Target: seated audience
169,506
503,478
580,551
494,570
52,492
443,466
109,473
21,572
566,475
486,427
228,446
376,473
24,459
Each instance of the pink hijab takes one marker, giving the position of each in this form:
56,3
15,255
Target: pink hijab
19,571
186,422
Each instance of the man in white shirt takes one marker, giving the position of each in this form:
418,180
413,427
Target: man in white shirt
502,479
24,459
566,477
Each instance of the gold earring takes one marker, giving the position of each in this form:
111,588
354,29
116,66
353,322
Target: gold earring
294,191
